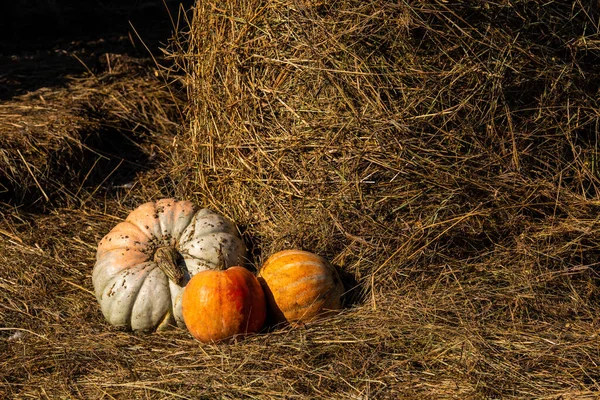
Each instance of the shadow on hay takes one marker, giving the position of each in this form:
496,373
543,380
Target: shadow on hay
108,162
63,146
81,102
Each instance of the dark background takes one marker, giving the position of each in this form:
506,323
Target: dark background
43,41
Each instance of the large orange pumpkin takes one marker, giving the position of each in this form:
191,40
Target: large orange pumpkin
299,286
220,304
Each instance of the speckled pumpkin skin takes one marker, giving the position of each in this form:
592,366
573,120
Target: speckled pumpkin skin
300,286
221,304
132,291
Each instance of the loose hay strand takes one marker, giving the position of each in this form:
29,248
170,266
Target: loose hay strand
32,175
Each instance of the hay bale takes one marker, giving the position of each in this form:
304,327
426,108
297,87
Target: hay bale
296,123
430,150
374,131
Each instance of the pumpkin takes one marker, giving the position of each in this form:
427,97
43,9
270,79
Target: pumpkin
299,286
221,304
143,263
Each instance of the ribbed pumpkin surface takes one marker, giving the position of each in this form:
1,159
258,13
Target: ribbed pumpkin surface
131,288
220,304
299,286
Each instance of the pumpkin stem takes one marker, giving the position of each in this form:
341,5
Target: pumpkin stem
221,265
166,259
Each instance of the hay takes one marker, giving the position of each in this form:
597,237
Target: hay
430,150
444,156
97,132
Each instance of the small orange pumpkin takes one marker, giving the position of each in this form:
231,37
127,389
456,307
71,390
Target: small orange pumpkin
299,286
220,304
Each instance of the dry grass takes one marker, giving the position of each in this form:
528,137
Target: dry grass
97,131
443,155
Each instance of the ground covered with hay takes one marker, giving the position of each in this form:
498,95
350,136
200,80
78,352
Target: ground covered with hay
443,155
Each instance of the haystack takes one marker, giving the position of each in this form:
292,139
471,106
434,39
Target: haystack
443,155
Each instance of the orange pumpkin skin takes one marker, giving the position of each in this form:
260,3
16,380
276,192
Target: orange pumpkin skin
300,286
220,304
